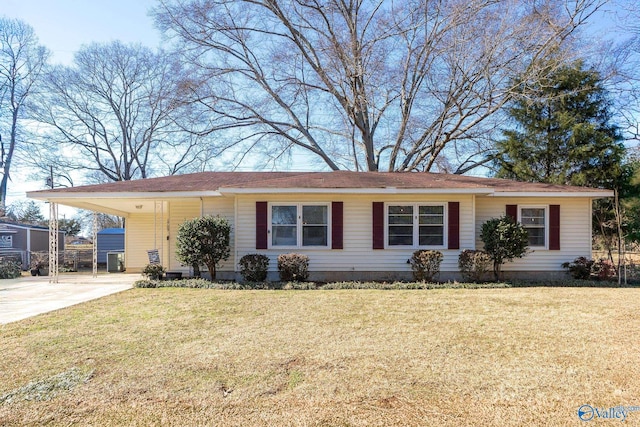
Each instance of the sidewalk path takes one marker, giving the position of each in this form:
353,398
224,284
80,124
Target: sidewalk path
29,296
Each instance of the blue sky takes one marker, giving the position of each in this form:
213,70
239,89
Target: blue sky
64,25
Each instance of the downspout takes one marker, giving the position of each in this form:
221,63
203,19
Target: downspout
590,228
473,221
235,233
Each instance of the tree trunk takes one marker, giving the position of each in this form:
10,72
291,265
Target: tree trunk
212,271
196,270
496,271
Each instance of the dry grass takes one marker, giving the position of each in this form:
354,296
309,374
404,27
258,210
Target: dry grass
527,356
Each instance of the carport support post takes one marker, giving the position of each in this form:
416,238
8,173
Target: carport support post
53,242
95,244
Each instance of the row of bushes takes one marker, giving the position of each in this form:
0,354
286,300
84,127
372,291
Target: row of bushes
474,265
291,267
254,268
425,265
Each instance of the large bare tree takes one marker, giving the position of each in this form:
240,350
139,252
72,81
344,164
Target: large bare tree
22,62
364,84
114,115
620,61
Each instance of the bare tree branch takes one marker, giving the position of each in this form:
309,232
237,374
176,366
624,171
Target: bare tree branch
119,111
370,84
22,61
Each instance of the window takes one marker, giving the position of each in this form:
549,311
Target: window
300,225
314,226
284,224
534,220
431,225
415,225
400,225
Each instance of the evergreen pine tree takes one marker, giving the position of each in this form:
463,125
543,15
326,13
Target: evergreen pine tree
562,132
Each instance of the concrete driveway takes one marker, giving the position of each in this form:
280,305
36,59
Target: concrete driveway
29,296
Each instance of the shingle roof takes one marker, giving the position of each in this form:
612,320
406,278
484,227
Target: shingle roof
219,181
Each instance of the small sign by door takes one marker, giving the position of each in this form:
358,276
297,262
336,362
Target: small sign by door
154,256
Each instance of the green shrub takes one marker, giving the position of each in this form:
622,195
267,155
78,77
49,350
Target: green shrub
204,241
504,240
425,264
146,283
10,269
154,271
254,267
579,268
293,267
474,265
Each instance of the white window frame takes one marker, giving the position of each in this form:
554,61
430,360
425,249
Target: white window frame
416,225
546,223
299,225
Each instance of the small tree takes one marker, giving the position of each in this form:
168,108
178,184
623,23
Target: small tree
203,241
504,240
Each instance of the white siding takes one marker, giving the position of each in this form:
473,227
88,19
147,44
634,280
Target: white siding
357,254
575,230
180,211
139,238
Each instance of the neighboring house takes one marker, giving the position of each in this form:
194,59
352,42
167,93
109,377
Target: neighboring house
352,225
109,240
23,239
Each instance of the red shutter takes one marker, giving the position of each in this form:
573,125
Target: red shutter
261,225
454,225
336,225
512,212
554,227
378,225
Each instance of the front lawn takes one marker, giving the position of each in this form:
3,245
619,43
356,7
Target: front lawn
519,356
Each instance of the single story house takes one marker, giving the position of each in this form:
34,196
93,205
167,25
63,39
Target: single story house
20,240
352,225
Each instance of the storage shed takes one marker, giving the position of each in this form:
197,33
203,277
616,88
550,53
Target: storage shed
109,240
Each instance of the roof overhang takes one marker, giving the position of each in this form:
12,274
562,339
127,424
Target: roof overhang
120,204
52,195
